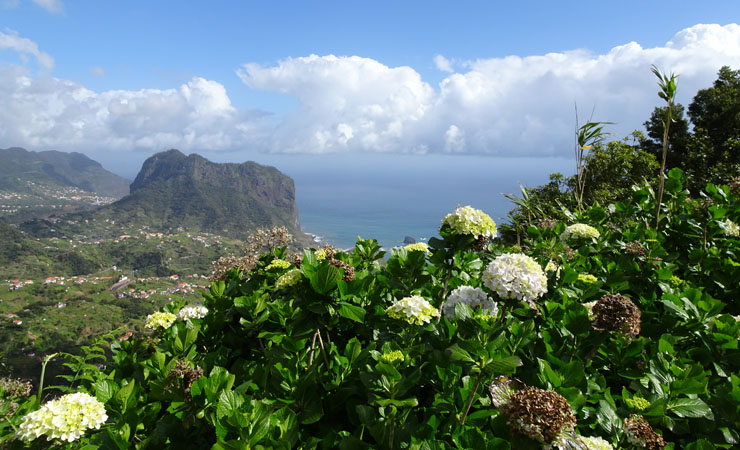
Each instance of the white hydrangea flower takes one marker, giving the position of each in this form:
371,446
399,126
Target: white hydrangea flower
192,312
289,278
160,319
596,443
730,228
414,310
579,231
468,220
590,308
516,276
553,267
471,296
66,418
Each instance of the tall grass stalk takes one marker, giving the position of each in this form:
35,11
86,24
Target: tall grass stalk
667,92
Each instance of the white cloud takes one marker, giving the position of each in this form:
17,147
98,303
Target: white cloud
11,41
97,71
50,113
346,103
508,106
443,64
52,6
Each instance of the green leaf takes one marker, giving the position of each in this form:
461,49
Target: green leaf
506,365
458,354
323,277
228,401
121,398
352,312
690,407
104,390
607,417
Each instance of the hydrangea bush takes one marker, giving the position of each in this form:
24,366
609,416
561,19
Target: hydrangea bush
351,349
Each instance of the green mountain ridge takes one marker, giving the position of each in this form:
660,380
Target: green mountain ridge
60,169
174,192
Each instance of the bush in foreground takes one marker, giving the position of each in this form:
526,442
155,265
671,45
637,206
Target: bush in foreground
469,345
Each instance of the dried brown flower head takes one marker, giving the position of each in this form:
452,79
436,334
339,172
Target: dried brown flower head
547,224
615,312
349,271
641,434
296,259
544,416
634,249
569,253
12,387
184,370
735,186
260,241
481,243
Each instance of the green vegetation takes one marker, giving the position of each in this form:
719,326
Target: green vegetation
613,322
629,337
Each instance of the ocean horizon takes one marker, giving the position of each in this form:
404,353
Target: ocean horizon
388,199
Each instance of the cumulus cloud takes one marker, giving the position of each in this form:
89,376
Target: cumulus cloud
52,113
443,64
52,6
11,41
347,103
508,106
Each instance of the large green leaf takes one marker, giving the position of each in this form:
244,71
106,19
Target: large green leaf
690,407
351,311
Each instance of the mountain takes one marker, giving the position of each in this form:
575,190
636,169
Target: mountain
58,169
174,192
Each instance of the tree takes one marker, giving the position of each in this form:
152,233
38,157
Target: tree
609,173
613,169
678,135
715,111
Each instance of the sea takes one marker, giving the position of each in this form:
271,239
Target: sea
392,197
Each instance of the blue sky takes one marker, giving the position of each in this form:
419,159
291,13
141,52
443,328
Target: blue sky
123,80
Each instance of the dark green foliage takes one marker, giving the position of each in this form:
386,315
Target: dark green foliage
678,136
319,363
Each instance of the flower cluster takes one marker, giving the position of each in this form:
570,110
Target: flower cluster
288,279
515,276
66,418
160,319
730,228
544,416
596,443
468,220
417,247
414,310
641,434
634,249
637,403
579,231
587,278
471,296
553,267
192,312
614,312
278,264
392,357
